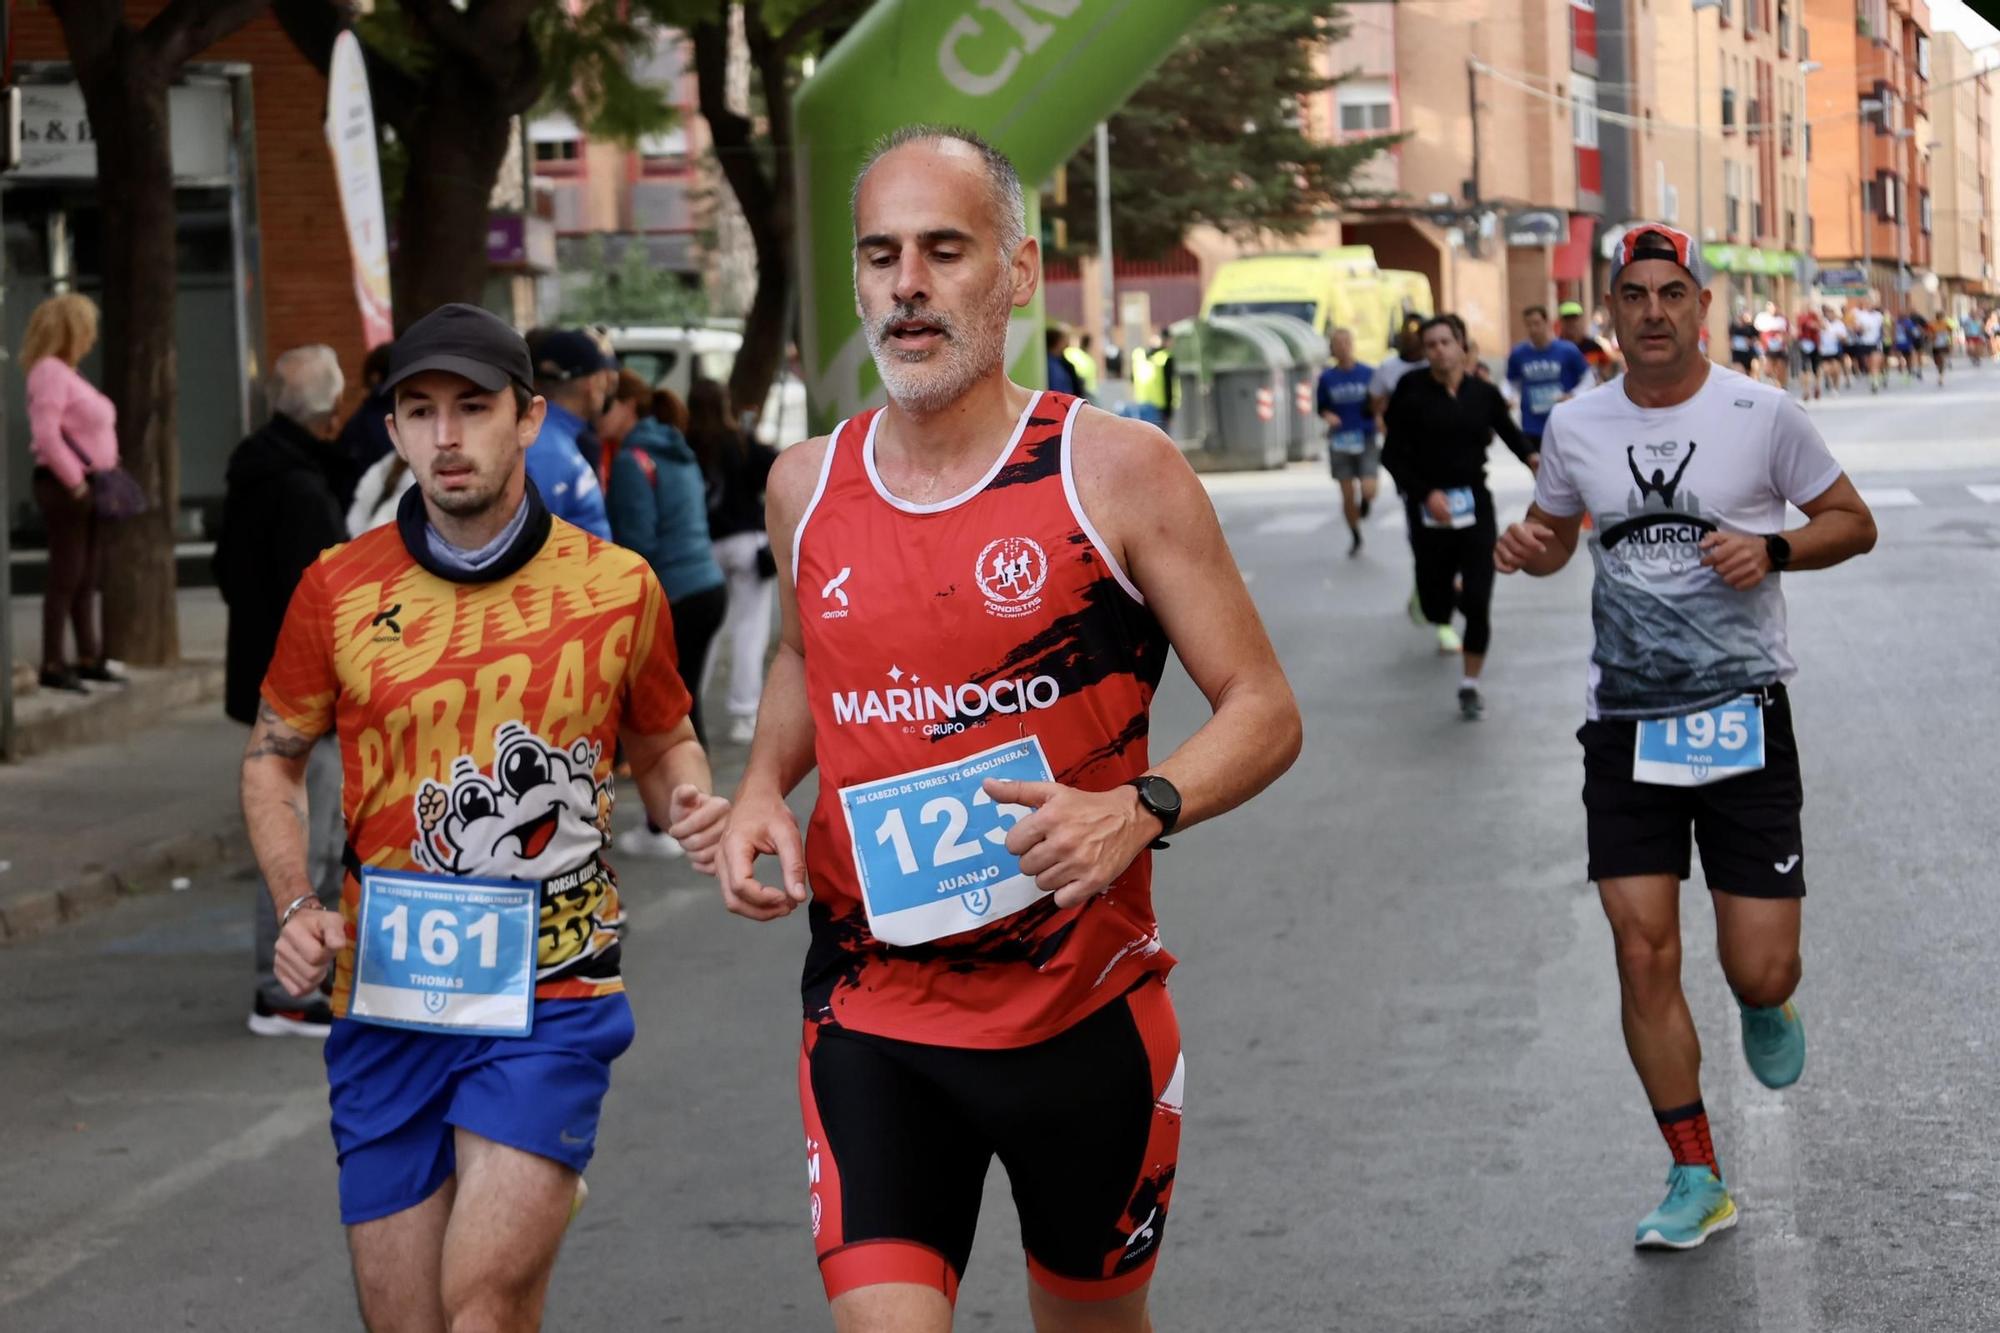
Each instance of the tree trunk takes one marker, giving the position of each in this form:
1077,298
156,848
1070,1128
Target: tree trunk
763,187
457,143
127,104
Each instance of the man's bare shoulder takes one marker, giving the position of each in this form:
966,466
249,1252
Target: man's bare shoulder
794,475
1118,452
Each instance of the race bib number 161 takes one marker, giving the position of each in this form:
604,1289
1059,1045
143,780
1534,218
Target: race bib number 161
931,846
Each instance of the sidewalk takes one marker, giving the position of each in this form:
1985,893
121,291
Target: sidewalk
83,826
49,720
122,790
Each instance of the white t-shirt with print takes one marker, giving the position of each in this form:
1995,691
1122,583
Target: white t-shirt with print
1868,326
1672,637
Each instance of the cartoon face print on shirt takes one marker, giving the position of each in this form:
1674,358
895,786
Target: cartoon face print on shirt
539,814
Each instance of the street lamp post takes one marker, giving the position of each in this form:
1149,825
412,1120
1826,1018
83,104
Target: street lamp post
1870,107
1700,179
1902,213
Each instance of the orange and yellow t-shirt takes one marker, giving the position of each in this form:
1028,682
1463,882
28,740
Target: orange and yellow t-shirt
478,721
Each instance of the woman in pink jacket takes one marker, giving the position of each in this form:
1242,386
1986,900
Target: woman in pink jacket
72,434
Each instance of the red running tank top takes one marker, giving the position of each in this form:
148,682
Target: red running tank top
935,632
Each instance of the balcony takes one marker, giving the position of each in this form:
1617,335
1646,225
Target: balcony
1753,120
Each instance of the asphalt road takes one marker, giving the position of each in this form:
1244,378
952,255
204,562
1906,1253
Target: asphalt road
1408,1104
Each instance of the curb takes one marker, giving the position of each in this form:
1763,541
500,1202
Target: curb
151,870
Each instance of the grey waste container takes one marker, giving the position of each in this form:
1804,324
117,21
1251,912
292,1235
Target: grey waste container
1303,437
1245,370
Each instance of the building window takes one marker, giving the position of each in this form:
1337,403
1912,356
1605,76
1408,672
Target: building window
1732,182
1728,110
1784,28
559,150
1924,210
1583,110
1923,57
1365,107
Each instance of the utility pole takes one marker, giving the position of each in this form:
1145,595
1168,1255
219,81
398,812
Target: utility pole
1107,318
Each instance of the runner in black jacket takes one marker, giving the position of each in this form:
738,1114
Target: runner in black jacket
1440,424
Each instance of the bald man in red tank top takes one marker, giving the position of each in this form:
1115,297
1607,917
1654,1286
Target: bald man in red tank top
979,586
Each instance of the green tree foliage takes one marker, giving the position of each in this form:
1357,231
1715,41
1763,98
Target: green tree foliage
1215,137
630,291
447,79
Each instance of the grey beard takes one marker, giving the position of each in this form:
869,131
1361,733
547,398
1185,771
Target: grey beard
935,382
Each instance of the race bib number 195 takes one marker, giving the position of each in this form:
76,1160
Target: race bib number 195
444,954
1701,748
930,845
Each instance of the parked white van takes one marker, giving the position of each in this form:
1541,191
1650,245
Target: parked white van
671,358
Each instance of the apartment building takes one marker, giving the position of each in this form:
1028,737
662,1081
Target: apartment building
1961,175
1498,192
659,194
1869,104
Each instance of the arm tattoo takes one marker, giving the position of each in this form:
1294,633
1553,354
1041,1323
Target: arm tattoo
272,738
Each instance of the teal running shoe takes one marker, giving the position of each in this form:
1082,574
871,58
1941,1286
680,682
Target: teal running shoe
1696,1207
1774,1042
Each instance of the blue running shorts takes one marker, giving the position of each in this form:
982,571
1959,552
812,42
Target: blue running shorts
397,1097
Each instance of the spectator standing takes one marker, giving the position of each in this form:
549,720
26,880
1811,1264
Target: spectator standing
281,508
72,433
1062,376
631,399
576,377
659,508
736,469
364,440
1084,365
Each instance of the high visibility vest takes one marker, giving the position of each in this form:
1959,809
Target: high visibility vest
1085,367
1149,378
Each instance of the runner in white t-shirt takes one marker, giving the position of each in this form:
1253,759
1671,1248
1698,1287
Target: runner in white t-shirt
1685,468
1868,345
1833,351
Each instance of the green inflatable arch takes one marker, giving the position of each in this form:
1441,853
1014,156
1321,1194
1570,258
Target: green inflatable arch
1033,76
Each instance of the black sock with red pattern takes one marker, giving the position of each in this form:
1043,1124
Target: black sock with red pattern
1685,1129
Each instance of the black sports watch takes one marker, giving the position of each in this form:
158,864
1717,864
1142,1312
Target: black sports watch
1162,800
1779,550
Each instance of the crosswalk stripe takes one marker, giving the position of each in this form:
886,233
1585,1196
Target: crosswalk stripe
1890,497
1987,493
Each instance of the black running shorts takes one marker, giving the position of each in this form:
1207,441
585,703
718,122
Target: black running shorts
1088,1124
1747,827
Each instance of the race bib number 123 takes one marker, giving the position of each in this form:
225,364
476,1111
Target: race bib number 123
930,845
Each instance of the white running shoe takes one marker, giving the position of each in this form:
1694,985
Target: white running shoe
742,730
643,843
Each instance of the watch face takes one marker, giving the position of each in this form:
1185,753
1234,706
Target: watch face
1161,795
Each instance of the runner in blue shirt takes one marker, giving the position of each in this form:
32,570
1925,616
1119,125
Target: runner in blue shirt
1544,370
1353,453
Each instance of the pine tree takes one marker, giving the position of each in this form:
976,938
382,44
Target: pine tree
1215,137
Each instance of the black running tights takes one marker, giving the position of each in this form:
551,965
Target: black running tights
1461,557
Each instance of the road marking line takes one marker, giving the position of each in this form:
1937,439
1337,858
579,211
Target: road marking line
61,1250
1293,524
1890,497
1778,1253
1986,493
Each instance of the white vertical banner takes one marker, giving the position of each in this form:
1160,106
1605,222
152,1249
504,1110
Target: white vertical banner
350,134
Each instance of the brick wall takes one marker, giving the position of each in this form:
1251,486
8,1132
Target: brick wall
307,281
